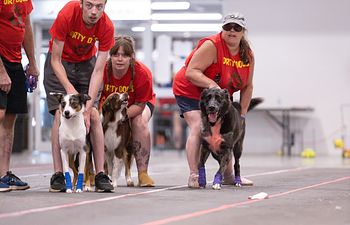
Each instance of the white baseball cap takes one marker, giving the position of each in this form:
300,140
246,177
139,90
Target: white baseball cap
235,17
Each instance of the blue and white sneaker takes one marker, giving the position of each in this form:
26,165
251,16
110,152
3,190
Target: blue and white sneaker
4,187
14,182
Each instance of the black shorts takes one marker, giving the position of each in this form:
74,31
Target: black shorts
151,107
79,74
186,104
15,101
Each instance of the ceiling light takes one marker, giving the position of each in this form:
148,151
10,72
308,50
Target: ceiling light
209,27
170,5
186,16
138,29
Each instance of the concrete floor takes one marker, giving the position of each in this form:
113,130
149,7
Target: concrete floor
301,191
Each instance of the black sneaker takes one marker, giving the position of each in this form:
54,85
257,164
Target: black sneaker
57,183
103,183
14,182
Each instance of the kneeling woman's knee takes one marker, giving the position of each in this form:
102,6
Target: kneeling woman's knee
138,123
94,115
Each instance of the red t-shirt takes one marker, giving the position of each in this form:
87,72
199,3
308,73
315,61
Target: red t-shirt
13,15
229,72
79,41
142,90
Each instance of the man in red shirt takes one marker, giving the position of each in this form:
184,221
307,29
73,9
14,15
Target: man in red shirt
72,67
15,31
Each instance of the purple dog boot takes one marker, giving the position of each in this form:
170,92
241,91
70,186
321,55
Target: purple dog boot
217,181
238,181
202,180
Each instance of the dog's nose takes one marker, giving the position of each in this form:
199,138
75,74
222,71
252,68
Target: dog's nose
66,113
211,108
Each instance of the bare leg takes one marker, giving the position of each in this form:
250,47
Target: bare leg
142,146
55,146
97,140
7,123
193,119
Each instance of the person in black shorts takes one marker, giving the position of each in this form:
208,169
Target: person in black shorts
15,23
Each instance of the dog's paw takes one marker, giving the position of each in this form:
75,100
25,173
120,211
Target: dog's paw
130,183
237,182
217,178
88,188
217,181
202,180
216,186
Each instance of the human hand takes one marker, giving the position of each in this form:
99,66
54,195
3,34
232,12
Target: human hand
32,73
87,119
214,85
5,82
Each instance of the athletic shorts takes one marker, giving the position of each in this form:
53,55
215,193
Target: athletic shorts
79,74
15,101
186,104
151,107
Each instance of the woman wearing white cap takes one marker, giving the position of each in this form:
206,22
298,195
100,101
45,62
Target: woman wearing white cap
223,60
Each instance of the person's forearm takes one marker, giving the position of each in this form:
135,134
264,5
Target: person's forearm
61,75
96,78
245,97
28,42
2,68
95,84
196,77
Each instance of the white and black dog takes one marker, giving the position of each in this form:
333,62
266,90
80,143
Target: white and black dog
72,139
222,133
118,138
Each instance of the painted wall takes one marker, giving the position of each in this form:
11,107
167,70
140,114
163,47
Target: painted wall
302,50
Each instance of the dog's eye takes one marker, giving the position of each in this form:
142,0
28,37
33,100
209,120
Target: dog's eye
218,98
74,104
63,104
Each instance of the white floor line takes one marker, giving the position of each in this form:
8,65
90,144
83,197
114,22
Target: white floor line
63,206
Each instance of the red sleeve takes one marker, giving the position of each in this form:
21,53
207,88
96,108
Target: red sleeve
143,84
106,40
59,28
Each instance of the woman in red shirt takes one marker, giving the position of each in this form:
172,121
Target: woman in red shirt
223,60
122,68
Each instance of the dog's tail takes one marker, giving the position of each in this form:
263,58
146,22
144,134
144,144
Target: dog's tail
254,102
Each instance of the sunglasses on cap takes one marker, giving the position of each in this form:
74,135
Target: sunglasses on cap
235,26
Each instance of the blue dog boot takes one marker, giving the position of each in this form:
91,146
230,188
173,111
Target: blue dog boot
217,181
238,181
202,180
68,182
80,181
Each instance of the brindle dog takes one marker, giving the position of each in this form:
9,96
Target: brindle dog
222,133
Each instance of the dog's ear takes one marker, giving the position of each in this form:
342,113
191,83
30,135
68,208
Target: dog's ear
105,106
59,96
84,98
226,94
202,100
